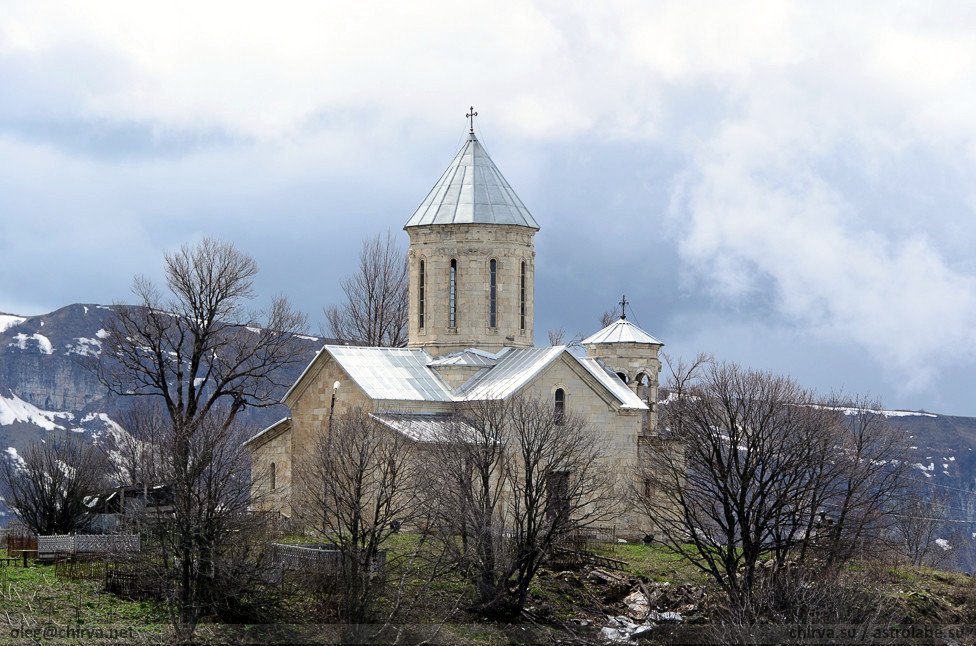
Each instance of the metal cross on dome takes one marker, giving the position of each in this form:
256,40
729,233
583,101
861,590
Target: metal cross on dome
471,115
623,308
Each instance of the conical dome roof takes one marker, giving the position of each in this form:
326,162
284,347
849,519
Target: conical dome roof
472,191
621,331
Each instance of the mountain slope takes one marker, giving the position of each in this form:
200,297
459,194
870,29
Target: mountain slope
46,387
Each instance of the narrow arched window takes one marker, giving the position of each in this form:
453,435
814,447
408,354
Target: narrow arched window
274,475
493,293
522,297
559,406
452,297
421,289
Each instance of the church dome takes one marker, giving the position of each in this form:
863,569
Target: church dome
472,191
621,331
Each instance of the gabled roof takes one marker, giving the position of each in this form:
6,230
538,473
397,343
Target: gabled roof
408,374
472,191
281,425
626,396
621,331
517,366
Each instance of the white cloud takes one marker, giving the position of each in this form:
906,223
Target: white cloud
824,152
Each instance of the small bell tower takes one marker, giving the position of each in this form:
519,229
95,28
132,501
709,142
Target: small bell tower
632,354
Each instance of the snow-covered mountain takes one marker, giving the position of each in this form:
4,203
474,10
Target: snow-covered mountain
45,386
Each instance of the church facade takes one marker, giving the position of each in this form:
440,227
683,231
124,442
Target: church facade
471,324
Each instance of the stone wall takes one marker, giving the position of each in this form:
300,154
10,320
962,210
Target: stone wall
618,428
473,246
633,360
275,448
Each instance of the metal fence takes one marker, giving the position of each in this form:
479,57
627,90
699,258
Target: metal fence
327,557
49,547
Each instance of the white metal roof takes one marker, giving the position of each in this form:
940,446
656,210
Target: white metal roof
627,397
472,191
621,331
469,357
422,427
391,373
408,374
515,368
257,436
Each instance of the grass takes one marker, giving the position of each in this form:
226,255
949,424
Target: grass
34,597
653,562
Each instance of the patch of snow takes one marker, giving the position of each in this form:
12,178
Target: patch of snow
198,381
943,543
12,452
256,330
86,309
43,343
307,338
945,465
17,410
102,334
85,347
887,413
8,321
951,458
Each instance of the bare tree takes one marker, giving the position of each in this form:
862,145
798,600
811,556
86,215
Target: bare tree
207,544
741,489
864,474
511,479
375,310
919,523
359,485
608,317
203,357
766,472
129,454
49,485
558,337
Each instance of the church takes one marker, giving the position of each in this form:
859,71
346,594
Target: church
471,323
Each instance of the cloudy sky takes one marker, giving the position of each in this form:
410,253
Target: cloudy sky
786,185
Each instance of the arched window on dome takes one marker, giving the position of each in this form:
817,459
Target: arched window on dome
452,296
421,294
522,297
493,293
274,475
559,407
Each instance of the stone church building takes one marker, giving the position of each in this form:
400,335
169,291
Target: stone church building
471,325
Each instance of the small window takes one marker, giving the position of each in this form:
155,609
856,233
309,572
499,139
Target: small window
559,407
522,297
421,289
452,300
274,475
493,293
623,376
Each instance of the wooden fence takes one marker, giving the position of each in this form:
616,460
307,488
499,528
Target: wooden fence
19,545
